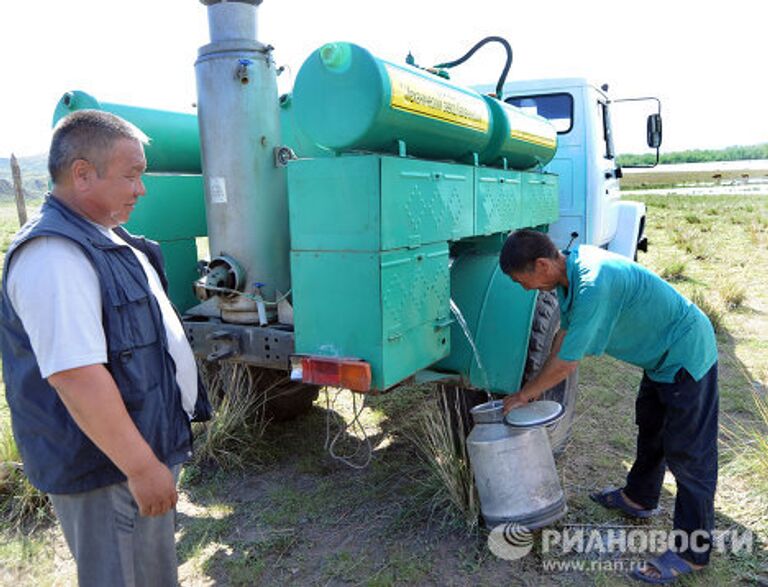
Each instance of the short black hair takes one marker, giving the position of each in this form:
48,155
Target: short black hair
89,135
522,248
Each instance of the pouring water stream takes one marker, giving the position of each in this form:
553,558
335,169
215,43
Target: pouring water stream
465,328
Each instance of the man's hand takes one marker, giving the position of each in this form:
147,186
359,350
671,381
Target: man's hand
515,401
94,402
553,372
154,489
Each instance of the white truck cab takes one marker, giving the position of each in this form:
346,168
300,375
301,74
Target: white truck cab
585,161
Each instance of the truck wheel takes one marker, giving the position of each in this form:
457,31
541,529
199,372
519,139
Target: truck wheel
282,398
546,323
288,399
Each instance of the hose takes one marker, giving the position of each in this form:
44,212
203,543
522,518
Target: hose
365,442
468,54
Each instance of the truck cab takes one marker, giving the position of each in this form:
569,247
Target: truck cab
585,161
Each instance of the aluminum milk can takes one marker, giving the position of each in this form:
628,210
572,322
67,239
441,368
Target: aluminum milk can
513,466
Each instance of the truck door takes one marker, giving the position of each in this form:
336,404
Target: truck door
603,185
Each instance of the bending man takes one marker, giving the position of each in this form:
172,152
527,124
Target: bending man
611,305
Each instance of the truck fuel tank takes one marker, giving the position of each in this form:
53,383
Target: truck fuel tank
346,99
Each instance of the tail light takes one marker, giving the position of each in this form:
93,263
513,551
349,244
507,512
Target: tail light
343,372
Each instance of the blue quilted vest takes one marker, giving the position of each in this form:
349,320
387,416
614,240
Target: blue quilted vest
58,458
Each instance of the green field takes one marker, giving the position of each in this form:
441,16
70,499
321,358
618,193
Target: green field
292,515
655,179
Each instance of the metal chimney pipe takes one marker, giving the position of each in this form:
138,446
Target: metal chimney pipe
245,192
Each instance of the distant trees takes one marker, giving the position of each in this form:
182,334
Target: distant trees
735,153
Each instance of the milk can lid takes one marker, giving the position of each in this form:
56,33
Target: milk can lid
534,414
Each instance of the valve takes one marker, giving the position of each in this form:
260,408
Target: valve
284,154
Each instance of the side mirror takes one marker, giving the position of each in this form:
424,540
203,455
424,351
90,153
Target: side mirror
653,127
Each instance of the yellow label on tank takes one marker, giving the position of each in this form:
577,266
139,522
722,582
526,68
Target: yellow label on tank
433,99
531,129
533,138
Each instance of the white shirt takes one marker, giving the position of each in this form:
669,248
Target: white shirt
55,291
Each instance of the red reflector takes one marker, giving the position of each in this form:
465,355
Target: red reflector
348,373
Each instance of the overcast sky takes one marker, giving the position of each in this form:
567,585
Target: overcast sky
702,59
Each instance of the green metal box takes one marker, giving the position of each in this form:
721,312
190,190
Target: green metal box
508,200
388,308
498,199
374,202
540,199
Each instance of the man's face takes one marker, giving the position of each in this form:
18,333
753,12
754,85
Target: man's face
543,275
111,197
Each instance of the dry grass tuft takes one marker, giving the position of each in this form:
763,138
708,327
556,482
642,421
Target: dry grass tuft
713,312
21,505
759,436
239,394
439,436
674,270
733,294
746,442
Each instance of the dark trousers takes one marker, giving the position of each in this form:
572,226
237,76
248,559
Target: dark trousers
677,428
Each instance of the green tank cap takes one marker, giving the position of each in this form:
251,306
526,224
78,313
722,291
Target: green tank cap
72,101
336,56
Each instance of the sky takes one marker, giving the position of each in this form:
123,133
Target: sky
701,59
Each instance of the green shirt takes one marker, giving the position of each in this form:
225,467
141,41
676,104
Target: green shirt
620,308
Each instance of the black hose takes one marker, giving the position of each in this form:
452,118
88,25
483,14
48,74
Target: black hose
507,65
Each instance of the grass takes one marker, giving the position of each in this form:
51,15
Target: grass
669,179
711,309
674,270
730,284
443,448
281,511
22,507
9,224
732,294
231,439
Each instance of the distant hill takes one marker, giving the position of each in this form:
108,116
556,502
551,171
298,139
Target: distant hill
34,176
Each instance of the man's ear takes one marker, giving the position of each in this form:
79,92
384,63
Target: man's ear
80,172
541,264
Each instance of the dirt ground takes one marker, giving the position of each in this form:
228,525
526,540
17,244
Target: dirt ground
294,515
306,519
305,522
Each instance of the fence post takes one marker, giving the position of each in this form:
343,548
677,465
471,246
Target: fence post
21,207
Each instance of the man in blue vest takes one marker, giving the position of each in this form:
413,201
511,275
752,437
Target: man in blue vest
100,379
608,304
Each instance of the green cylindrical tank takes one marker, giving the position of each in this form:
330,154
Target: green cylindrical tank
345,99
174,139
291,134
524,140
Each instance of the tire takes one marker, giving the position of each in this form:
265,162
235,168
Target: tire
283,399
546,323
289,400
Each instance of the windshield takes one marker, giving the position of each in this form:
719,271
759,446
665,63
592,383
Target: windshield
557,108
